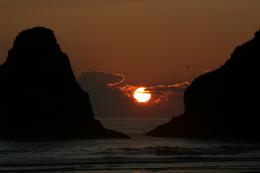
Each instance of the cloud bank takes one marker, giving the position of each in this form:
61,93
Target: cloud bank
111,96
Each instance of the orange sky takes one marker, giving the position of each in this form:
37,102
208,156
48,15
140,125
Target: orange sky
149,41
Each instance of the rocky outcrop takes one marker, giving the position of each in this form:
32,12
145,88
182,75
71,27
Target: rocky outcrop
39,95
222,104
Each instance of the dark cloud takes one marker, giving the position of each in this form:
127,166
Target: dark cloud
98,78
111,96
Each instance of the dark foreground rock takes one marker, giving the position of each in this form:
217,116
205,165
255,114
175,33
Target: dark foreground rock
39,95
224,103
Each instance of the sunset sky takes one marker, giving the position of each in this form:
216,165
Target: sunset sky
149,42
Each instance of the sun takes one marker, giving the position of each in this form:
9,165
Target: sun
142,95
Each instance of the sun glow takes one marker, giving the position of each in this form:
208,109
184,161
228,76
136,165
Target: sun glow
141,95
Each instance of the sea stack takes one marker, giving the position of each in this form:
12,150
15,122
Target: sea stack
224,103
40,98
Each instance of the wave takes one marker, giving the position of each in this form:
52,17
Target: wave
176,151
128,163
144,153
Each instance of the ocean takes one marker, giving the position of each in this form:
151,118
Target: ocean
140,154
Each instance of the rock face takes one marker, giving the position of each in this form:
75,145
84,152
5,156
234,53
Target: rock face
222,104
39,95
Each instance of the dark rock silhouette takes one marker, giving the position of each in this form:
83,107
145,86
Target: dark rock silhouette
222,104
39,95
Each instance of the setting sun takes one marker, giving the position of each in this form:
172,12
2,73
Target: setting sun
141,95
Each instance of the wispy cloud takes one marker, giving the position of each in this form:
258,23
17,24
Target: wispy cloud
160,93
116,82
